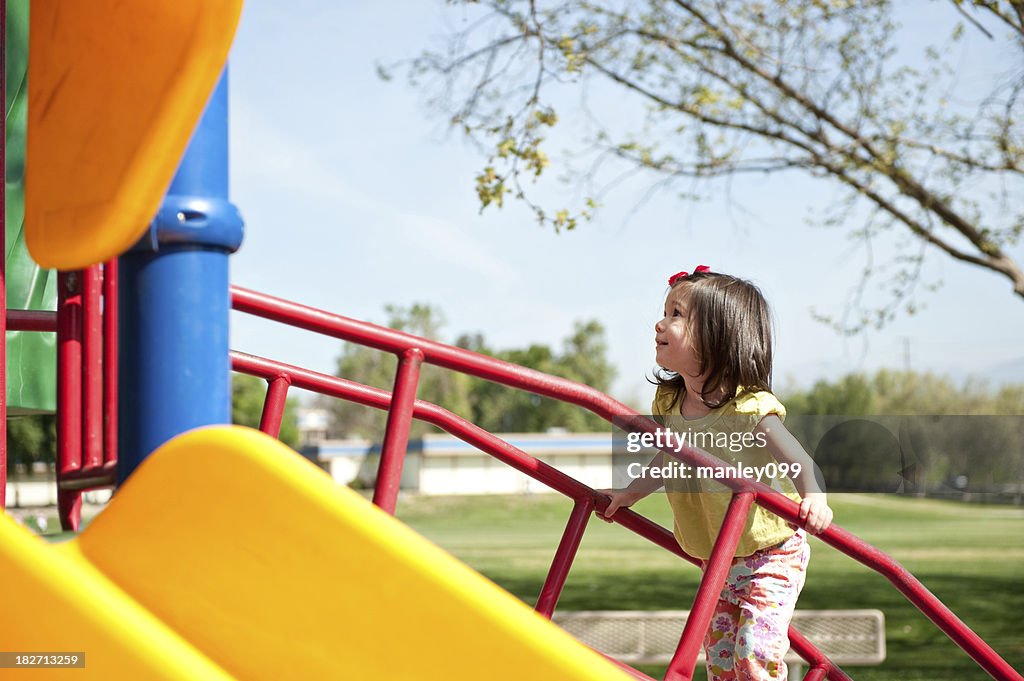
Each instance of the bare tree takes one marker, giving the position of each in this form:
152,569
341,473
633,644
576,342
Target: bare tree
732,87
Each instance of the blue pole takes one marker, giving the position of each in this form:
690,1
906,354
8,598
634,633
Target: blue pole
174,301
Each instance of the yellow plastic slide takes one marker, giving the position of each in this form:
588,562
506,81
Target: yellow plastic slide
227,555
115,91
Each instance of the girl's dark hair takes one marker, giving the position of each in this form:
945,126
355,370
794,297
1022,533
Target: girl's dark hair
732,323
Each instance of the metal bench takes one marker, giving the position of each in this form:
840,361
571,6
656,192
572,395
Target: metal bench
854,637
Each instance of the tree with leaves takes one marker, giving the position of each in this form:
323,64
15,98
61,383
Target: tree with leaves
492,406
498,408
719,89
31,439
866,431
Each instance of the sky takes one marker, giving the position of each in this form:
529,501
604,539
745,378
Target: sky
356,195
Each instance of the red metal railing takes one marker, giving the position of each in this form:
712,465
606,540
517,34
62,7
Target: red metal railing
515,376
402,406
585,499
86,326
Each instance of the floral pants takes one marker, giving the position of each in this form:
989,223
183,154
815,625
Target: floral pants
748,636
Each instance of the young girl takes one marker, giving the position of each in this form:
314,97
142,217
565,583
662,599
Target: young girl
714,350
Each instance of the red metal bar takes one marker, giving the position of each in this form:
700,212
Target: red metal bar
110,361
468,432
816,674
69,393
31,320
397,342
814,657
92,369
683,662
396,433
273,405
564,556
92,478
475,364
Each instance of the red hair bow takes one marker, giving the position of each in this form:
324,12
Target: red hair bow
682,275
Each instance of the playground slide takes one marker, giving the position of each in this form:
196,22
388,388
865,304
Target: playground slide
55,602
116,91
227,555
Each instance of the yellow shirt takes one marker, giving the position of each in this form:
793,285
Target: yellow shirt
699,505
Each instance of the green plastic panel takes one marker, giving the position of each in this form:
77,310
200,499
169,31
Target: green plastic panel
31,356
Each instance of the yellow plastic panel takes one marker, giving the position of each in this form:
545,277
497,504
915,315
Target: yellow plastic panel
274,571
53,601
115,91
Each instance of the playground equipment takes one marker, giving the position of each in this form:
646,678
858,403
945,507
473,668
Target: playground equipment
346,593
116,90
95,440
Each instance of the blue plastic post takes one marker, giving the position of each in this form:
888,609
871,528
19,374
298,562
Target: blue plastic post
174,301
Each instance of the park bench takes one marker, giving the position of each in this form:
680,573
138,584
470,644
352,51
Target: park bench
855,637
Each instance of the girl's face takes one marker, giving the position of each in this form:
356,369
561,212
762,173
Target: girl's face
676,344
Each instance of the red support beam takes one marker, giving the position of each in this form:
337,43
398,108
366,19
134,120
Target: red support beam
93,478
110,362
683,662
396,434
814,657
439,354
92,369
816,674
69,393
31,320
273,405
306,379
564,556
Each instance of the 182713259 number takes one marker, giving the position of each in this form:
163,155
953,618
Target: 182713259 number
34,660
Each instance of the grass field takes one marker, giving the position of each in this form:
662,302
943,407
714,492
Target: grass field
970,556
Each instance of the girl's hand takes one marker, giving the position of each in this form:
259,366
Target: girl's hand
815,513
619,499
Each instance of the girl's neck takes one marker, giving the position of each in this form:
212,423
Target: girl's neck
693,406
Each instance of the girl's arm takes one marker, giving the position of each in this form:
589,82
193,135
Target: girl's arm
814,510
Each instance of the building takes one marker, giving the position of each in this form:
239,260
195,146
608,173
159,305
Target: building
443,464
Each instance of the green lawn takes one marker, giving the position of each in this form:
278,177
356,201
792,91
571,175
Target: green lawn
970,556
